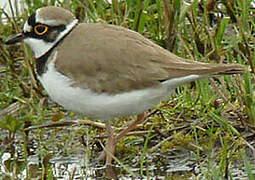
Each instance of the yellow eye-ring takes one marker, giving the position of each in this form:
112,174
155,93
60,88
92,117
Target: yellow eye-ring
40,29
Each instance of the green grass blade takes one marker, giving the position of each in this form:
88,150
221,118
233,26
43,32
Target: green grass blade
247,166
221,30
142,157
143,16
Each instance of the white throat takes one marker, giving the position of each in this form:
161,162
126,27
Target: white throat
40,47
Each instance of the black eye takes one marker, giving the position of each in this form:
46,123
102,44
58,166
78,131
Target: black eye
40,29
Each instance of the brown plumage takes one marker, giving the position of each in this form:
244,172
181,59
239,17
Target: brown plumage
115,59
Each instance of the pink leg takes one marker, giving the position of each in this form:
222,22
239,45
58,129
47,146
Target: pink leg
109,145
140,119
111,142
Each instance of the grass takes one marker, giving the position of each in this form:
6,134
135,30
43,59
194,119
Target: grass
209,120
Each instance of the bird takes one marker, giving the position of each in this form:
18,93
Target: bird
106,71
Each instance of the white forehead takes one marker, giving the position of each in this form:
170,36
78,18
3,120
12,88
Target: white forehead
27,28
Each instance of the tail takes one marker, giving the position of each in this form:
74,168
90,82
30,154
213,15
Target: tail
182,72
185,68
225,69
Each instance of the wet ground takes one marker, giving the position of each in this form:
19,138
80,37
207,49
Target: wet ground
69,159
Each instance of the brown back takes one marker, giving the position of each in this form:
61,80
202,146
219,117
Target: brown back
112,59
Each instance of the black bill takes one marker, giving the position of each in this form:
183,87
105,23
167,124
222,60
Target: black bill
14,39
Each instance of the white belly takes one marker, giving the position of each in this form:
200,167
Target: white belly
105,106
